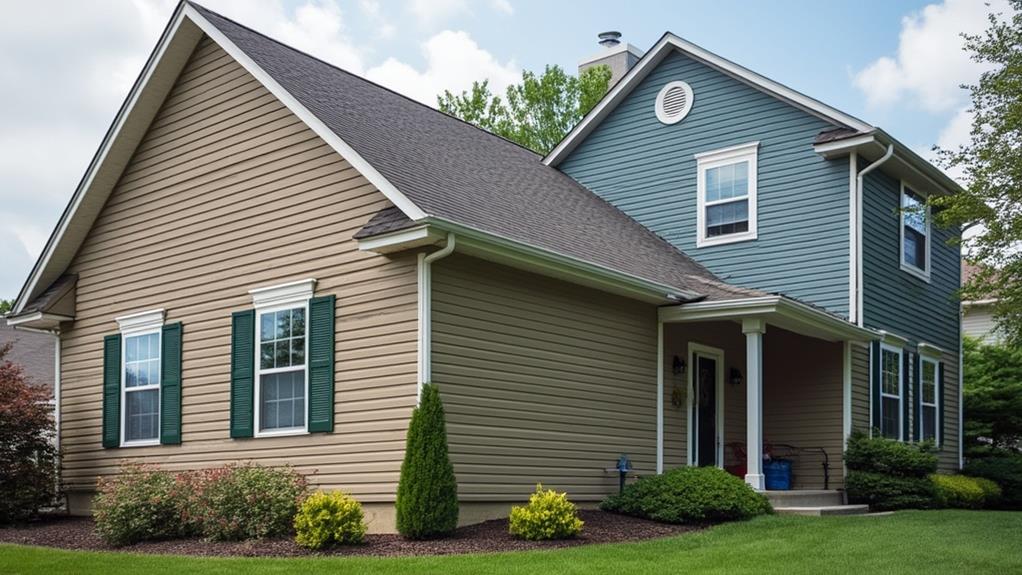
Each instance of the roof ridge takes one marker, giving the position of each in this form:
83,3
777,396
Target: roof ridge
361,78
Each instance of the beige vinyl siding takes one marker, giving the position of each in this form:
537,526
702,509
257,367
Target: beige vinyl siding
860,388
950,436
542,380
978,321
227,192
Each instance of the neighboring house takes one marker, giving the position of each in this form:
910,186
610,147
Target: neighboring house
269,256
33,351
978,315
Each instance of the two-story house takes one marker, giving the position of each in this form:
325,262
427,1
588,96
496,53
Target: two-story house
269,256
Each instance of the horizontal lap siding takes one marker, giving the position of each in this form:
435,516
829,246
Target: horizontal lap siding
648,170
228,192
542,381
860,388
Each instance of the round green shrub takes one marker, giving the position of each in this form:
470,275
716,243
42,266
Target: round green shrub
1005,471
689,495
957,491
884,492
881,455
138,504
427,492
329,519
992,493
238,502
548,515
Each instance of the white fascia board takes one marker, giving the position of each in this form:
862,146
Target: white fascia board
843,146
39,320
314,123
473,241
400,240
85,186
657,54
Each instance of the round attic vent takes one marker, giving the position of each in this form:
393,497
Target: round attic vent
673,102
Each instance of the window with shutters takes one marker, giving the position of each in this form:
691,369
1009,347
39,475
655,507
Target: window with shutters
928,399
140,378
281,368
915,233
891,386
726,187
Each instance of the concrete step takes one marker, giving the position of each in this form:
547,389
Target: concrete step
805,498
822,510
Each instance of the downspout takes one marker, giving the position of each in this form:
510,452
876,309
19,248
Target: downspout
426,311
858,230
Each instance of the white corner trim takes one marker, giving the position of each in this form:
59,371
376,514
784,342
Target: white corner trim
310,119
854,224
930,350
659,397
846,390
655,55
141,321
660,105
716,158
292,292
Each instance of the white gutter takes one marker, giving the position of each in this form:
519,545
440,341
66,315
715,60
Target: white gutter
425,367
857,223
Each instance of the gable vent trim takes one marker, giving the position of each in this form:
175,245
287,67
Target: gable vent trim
674,102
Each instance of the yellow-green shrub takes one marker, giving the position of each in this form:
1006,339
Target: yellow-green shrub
548,515
963,492
329,519
992,492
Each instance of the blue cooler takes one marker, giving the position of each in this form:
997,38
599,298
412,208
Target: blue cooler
777,474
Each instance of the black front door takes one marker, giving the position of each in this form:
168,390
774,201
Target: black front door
706,411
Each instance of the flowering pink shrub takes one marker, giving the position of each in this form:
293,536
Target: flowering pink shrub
138,504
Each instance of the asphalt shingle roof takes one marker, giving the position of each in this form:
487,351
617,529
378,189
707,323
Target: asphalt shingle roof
457,172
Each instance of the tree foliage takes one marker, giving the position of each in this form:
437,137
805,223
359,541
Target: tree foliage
536,113
992,383
427,492
992,167
5,306
28,458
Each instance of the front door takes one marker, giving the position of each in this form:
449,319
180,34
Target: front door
705,411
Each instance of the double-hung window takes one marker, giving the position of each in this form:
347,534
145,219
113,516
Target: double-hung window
928,399
726,187
891,385
140,367
915,233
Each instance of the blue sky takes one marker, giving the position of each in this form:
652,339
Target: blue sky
66,65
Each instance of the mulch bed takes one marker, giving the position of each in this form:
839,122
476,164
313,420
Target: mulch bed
489,537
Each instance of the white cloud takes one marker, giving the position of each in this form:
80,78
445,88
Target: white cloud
436,12
930,64
502,6
453,62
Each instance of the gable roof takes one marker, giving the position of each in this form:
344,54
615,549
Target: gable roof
433,167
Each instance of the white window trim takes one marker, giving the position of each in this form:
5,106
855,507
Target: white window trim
921,274
936,397
267,300
716,158
901,390
143,323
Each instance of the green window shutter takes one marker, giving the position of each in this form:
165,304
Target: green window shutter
321,363
941,384
917,396
242,372
112,390
874,357
906,386
170,384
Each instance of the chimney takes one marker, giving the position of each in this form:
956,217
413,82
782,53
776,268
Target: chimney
619,56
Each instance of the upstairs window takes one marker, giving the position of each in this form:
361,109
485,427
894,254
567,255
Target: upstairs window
891,385
915,233
726,185
928,399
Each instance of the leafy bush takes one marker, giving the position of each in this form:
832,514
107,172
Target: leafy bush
689,495
1005,471
427,493
239,502
329,519
138,504
881,455
28,459
548,515
963,492
887,492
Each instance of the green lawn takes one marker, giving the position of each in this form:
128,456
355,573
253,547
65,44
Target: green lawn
926,542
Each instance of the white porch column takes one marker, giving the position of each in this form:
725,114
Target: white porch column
753,328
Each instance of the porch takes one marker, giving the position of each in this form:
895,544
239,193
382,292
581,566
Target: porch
768,376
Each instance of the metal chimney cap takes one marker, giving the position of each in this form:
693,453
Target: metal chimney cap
609,39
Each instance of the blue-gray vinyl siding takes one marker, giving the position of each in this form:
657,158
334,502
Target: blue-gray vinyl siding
893,299
648,170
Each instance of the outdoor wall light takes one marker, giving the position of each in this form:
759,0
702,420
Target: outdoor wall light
678,366
736,376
